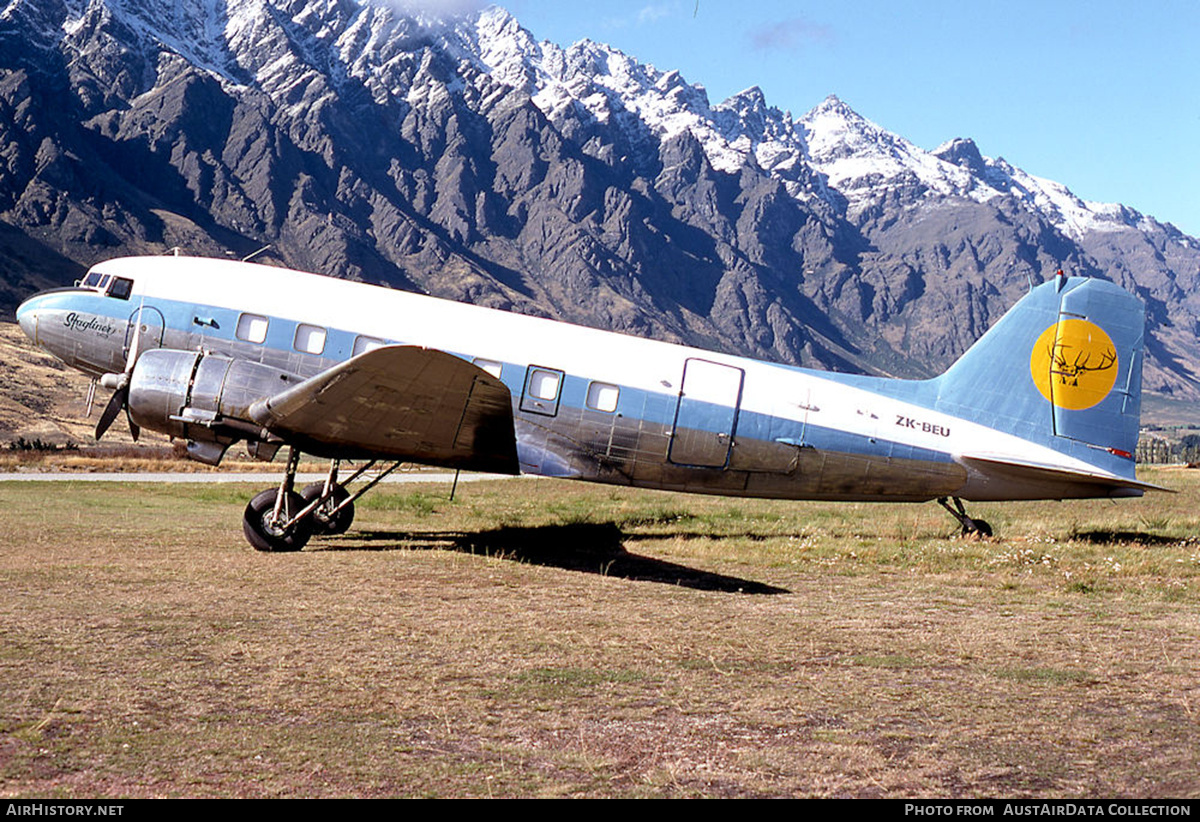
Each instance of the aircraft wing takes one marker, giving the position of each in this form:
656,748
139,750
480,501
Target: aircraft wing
400,402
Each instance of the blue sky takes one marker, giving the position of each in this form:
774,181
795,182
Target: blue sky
1102,96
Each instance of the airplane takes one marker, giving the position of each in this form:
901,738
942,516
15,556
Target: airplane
1045,405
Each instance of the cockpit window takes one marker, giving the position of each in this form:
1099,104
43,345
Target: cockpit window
121,288
92,279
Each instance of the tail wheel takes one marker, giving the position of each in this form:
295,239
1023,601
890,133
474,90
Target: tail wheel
969,525
266,535
326,521
982,527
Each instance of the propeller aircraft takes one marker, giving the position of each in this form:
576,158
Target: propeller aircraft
1044,406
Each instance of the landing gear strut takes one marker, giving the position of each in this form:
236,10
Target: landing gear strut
272,521
335,509
969,525
279,519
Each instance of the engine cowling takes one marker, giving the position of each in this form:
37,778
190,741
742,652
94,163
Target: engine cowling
203,398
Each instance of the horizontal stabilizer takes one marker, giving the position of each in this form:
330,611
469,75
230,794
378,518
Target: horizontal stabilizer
1027,471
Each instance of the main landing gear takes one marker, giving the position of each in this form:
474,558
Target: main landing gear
279,519
969,525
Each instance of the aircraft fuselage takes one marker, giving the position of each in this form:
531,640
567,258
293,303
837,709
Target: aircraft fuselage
586,404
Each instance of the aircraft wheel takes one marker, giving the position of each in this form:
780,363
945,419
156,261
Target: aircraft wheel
982,527
324,523
256,523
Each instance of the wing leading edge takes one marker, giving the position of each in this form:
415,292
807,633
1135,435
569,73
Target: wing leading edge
400,402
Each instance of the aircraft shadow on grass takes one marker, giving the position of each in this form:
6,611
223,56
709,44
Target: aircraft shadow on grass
1104,536
595,548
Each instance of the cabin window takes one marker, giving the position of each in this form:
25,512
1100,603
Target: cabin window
310,338
544,384
491,366
120,288
363,344
602,396
252,328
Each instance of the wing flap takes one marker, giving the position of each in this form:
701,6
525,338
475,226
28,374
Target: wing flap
400,402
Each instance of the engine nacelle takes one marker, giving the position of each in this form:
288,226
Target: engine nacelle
201,397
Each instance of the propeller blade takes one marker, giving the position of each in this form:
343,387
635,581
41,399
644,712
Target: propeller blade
115,403
131,359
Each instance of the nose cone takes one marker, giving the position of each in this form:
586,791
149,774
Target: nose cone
27,317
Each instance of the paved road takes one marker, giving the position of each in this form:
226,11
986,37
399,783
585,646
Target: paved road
256,479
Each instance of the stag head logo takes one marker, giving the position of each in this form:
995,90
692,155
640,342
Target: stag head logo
1074,364
1068,369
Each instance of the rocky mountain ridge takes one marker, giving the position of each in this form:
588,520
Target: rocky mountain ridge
463,158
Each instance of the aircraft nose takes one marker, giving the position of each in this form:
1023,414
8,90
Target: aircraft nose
27,318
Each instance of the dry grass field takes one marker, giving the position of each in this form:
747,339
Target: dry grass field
539,638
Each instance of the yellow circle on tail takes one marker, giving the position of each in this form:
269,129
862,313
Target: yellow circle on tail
1074,364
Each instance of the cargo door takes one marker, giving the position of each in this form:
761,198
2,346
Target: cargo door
706,416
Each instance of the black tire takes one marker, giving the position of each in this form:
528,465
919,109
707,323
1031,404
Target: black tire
256,523
323,523
982,527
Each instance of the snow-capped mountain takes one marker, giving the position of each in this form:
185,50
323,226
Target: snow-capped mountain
463,157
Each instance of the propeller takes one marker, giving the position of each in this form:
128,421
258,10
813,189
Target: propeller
115,404
120,382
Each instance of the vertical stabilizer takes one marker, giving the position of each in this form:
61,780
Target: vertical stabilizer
1062,368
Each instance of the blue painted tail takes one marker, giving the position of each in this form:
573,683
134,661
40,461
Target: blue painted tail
1063,368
